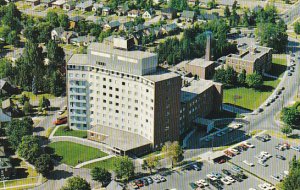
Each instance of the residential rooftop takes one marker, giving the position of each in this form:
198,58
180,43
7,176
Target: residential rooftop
161,75
200,62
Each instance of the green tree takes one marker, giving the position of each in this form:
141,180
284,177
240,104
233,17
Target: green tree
27,108
138,20
150,163
292,180
44,29
101,175
104,34
56,56
227,12
31,33
44,164
124,167
297,27
44,102
16,129
242,77
291,116
212,4
24,99
173,151
63,20
30,148
57,83
52,18
6,69
13,38
286,130
76,183
254,80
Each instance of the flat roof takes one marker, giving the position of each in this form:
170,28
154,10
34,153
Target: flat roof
120,139
249,55
105,48
200,62
195,88
161,75
81,59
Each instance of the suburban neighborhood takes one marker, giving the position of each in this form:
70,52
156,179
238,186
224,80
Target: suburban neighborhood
149,94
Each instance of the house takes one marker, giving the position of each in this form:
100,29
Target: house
206,17
113,25
139,27
97,6
58,4
126,26
68,6
188,16
106,11
155,31
33,2
47,3
83,40
133,13
148,14
170,29
56,33
6,88
85,6
76,18
4,117
192,2
168,13
67,36
122,9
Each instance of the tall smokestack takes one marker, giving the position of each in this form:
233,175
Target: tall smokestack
207,50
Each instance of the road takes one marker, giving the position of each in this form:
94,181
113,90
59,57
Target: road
291,14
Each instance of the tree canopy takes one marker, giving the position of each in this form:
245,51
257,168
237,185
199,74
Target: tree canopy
124,167
76,183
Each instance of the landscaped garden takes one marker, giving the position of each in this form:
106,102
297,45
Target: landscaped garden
66,131
72,154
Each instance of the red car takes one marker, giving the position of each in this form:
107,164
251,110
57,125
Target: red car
221,161
60,120
139,183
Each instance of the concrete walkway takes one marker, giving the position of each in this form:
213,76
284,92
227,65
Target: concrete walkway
93,161
235,109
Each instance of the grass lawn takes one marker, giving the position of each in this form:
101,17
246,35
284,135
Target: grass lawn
63,131
73,154
251,98
34,97
107,164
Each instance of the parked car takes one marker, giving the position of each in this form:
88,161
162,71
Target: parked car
236,168
196,167
297,148
226,172
261,138
230,179
60,121
133,185
225,181
262,163
249,145
276,177
193,185
212,177
248,163
280,157
139,183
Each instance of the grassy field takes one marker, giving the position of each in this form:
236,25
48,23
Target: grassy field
251,98
73,154
63,131
107,164
34,97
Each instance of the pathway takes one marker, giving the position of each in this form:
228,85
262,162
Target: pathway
93,161
234,109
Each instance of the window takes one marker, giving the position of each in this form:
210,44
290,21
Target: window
117,111
147,90
100,63
104,79
123,83
117,96
104,86
104,101
117,89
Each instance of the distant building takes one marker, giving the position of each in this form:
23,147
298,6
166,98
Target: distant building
85,6
188,16
68,6
106,11
201,68
58,3
148,14
113,25
122,9
6,168
252,59
47,3
83,40
6,88
169,13
133,13
97,6
33,2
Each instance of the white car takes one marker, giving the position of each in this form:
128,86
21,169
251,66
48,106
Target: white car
203,182
286,172
235,151
266,186
262,163
252,189
249,144
248,163
230,179
212,177
225,181
266,154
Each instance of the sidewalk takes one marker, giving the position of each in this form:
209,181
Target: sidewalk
93,161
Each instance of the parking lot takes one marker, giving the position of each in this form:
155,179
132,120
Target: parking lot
181,179
275,165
